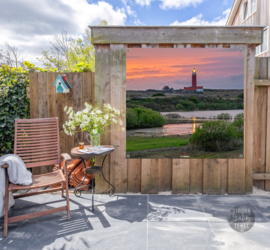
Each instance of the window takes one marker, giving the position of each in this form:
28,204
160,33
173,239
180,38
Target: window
245,10
264,46
253,6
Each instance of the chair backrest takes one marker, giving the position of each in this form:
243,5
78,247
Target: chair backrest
36,141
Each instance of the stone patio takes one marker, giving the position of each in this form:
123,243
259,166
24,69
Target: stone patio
138,222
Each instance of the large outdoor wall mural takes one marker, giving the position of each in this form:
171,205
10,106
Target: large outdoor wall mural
185,103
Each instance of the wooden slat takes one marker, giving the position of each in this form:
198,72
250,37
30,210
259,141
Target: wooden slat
211,176
102,95
262,176
196,176
164,45
165,175
134,175
223,176
236,176
180,176
249,73
33,83
42,96
267,160
118,174
41,163
264,82
36,214
69,139
174,35
150,176
51,102
78,102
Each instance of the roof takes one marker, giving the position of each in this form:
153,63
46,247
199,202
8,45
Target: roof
65,83
233,12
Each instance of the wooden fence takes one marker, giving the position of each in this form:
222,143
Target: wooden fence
150,176
45,102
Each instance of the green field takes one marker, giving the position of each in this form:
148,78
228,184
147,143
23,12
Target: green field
135,144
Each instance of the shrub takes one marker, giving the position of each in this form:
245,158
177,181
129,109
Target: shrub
144,118
193,99
215,136
239,125
158,94
224,116
188,105
13,104
179,106
241,96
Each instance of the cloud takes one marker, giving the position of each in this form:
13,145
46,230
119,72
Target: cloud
179,4
144,2
198,20
225,2
30,24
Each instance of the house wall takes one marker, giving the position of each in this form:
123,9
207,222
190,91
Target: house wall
260,17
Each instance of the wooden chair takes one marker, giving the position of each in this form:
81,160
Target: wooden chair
36,141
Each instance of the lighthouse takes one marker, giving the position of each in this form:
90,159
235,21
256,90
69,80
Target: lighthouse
194,79
194,87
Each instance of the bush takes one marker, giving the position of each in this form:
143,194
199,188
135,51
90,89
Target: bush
224,116
216,136
179,106
193,99
144,118
13,104
158,94
241,96
188,105
239,125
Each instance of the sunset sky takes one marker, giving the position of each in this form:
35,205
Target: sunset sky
155,68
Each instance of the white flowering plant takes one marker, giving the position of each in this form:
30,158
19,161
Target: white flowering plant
92,119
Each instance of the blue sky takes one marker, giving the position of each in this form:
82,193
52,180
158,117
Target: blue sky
154,14
30,24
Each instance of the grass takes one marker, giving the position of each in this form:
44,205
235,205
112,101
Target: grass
135,144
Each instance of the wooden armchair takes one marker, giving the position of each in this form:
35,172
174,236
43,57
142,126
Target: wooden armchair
36,141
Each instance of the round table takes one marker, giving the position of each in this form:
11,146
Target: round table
93,169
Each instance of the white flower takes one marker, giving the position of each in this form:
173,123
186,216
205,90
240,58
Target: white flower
65,109
120,122
114,121
106,117
123,129
94,131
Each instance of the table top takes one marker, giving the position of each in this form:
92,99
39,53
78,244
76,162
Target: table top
75,151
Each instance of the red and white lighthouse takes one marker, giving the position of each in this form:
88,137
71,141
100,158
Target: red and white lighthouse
194,79
194,87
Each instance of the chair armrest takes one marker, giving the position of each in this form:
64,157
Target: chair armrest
66,157
4,166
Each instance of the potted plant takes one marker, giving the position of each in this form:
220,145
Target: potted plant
92,120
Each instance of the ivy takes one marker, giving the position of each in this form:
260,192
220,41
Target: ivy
14,103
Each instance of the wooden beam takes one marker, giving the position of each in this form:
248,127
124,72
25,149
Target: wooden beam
261,176
258,82
174,35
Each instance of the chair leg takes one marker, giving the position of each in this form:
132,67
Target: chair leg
62,189
6,206
67,200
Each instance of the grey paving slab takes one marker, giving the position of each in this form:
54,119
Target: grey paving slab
217,208
121,235
181,235
255,239
261,204
175,208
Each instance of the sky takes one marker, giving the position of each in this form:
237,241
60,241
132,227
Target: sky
30,24
155,68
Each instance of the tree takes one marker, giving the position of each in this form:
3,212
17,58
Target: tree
11,55
67,53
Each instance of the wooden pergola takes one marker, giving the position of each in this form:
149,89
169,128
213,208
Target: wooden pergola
187,175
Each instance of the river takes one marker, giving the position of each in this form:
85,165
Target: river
180,129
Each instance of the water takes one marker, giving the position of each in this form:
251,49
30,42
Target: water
180,129
206,114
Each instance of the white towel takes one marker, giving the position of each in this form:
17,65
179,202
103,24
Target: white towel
18,174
